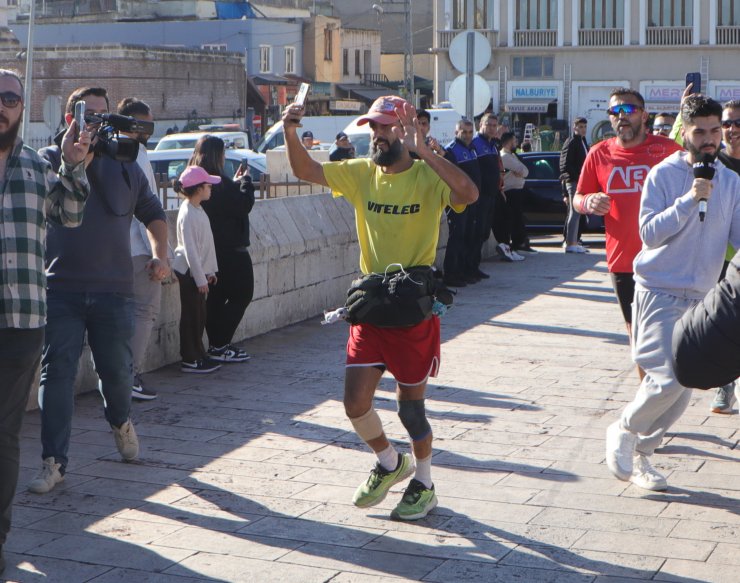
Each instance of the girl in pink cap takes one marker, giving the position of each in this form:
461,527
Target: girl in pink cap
195,266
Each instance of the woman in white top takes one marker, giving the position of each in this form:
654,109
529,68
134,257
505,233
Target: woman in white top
515,173
195,266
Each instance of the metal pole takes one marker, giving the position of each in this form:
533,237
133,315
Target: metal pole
469,75
29,73
409,57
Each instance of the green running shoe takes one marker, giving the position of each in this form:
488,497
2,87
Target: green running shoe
373,490
416,503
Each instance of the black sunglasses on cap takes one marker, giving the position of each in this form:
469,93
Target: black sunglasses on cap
626,108
10,99
728,123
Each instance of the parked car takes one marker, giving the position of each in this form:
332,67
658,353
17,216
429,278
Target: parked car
546,210
171,163
232,140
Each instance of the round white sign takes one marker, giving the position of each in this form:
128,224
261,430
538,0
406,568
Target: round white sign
458,94
459,51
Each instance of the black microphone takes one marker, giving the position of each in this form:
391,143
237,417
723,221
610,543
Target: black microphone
704,168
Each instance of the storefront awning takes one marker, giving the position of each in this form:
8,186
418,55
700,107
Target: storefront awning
268,79
658,107
365,92
527,106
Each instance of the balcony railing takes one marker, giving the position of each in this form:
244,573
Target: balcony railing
669,35
444,37
728,35
535,38
601,37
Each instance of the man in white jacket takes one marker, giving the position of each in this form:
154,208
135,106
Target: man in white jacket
681,258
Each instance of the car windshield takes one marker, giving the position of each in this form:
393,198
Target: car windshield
542,167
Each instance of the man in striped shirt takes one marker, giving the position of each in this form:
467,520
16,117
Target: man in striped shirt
30,194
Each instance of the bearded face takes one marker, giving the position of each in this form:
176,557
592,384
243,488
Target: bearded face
390,155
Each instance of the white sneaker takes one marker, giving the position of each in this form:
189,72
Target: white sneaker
504,252
645,476
620,449
576,249
48,477
126,440
516,257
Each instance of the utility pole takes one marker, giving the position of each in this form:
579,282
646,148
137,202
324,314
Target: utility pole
408,57
29,74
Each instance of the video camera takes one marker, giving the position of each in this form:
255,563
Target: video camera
110,142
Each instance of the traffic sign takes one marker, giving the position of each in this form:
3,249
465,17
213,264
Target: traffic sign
458,95
459,51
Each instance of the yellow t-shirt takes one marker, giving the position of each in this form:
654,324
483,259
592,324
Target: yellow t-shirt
397,215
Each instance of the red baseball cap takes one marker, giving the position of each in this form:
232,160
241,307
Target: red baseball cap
383,110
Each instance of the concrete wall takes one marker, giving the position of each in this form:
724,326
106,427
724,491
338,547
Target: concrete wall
304,250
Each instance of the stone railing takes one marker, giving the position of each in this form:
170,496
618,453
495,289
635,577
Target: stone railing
728,35
444,37
535,38
669,35
305,253
600,37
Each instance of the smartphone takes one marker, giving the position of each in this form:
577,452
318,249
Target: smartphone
694,78
300,98
80,115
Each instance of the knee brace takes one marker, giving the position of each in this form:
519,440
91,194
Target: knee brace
414,419
368,426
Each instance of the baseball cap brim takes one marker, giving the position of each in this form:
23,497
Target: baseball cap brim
377,117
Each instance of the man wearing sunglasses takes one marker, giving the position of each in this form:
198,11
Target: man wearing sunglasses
611,182
90,290
31,194
663,124
680,261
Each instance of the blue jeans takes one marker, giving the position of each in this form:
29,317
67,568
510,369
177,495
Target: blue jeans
108,319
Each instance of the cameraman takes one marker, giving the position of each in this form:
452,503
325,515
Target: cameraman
90,289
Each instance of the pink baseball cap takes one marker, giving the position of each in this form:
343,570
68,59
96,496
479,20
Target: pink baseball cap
194,175
383,110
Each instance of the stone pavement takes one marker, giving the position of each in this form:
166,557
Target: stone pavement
247,474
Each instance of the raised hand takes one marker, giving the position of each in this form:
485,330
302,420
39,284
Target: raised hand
73,151
408,132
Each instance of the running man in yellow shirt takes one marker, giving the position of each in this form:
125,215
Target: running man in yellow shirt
398,204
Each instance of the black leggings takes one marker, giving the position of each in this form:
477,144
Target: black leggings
229,298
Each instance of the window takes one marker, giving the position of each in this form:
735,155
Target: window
290,60
345,62
596,14
532,67
328,44
480,14
357,62
265,58
212,47
728,13
670,13
368,65
536,14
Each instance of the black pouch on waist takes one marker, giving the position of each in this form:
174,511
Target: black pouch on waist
394,299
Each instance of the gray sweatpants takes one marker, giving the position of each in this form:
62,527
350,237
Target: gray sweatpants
660,400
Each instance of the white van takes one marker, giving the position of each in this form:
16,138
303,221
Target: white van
238,140
324,128
442,123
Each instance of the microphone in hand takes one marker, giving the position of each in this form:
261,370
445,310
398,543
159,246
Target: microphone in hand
704,168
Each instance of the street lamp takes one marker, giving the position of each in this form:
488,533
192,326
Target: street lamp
408,54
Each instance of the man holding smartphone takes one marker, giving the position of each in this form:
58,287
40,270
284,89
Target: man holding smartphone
32,195
398,204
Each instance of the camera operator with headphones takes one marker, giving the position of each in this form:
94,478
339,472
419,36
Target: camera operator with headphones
90,288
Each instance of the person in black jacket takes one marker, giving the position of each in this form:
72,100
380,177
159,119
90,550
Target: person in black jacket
706,340
572,157
228,210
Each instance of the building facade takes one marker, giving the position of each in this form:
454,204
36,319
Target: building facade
554,60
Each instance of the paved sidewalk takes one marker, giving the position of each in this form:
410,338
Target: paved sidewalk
248,474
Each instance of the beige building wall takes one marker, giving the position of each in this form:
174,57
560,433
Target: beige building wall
583,76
